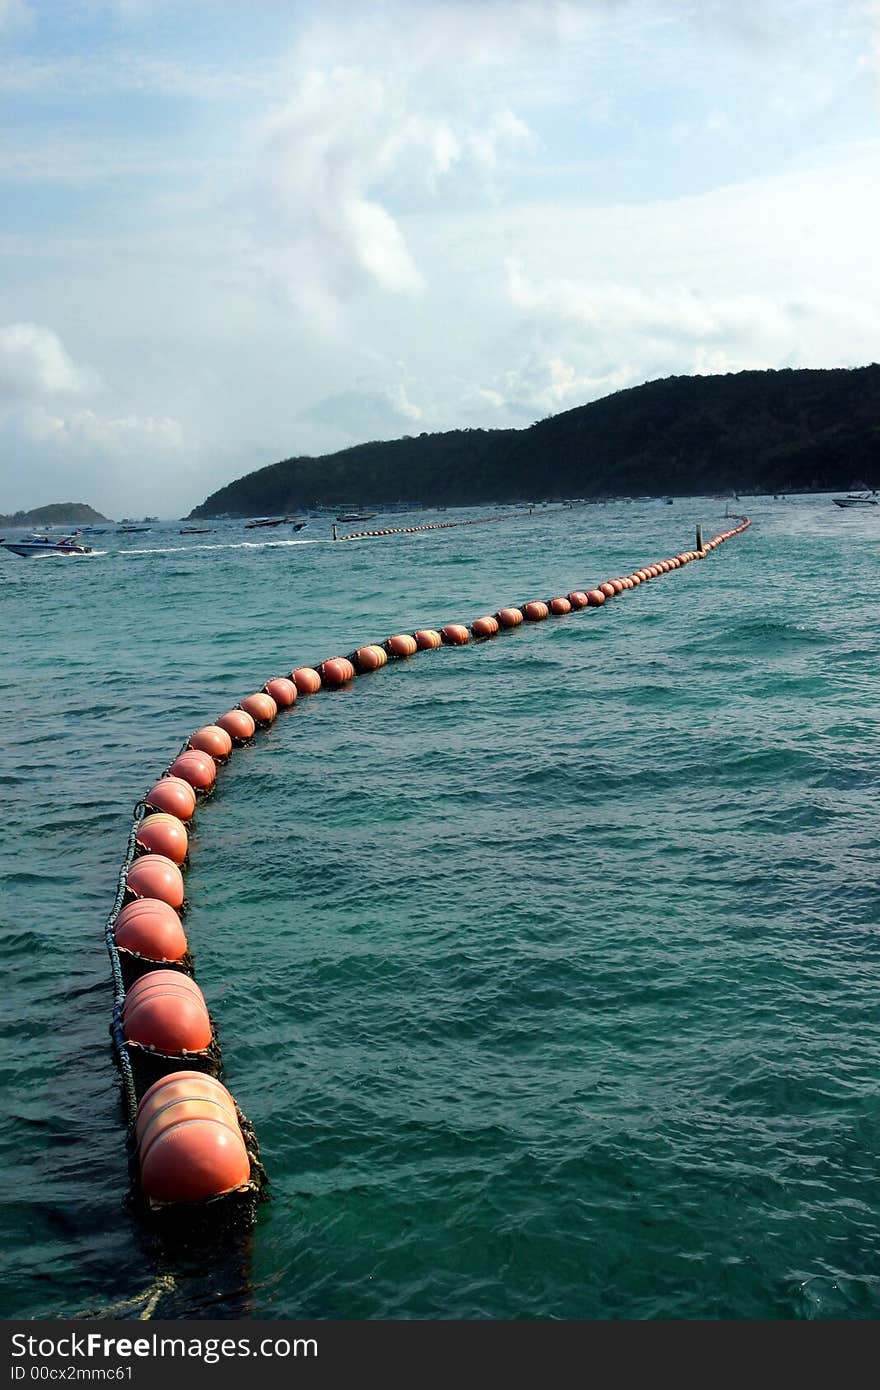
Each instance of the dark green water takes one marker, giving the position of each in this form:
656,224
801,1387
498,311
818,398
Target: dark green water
546,969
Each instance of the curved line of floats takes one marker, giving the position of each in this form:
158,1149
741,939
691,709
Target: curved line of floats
191,1142
428,526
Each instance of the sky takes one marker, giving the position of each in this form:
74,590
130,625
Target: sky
236,232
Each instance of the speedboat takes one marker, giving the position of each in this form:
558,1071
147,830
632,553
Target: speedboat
126,529
856,499
275,521
197,531
355,516
47,545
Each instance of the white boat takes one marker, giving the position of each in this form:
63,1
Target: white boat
856,499
47,545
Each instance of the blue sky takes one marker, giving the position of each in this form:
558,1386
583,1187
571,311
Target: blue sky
236,232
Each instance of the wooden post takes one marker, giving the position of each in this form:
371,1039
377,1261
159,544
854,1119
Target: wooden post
699,545
335,537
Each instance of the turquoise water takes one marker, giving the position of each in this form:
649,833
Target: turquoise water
547,969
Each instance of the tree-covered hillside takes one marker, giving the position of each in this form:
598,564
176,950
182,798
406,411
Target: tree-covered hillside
769,431
55,514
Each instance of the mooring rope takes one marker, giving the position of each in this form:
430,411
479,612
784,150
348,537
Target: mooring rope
149,1298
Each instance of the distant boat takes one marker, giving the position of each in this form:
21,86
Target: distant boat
47,545
125,529
355,516
262,521
856,499
197,531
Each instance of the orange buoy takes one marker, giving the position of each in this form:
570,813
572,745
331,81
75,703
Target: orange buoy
617,585
260,706
427,639
509,617
282,691
160,982
455,634
577,598
607,589
484,627
155,876
238,724
174,795
194,1160
370,658
595,598
337,671
212,740
196,768
182,1108
180,1085
170,1021
535,610
150,928
306,680
401,645
560,605
161,833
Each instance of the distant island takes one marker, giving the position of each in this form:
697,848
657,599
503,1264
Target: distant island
55,514
805,430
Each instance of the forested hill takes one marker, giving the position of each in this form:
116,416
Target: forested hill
768,431
55,514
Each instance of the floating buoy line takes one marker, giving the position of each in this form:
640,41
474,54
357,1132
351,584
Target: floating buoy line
189,1143
427,526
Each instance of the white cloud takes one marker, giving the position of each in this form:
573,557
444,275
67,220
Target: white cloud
367,414
85,431
357,140
669,314
539,386
121,464
34,363
50,431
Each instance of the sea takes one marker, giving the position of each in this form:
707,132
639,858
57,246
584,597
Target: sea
546,969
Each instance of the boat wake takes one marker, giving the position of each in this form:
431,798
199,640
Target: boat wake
228,545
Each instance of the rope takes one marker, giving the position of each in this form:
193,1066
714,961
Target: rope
122,1055
149,1298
